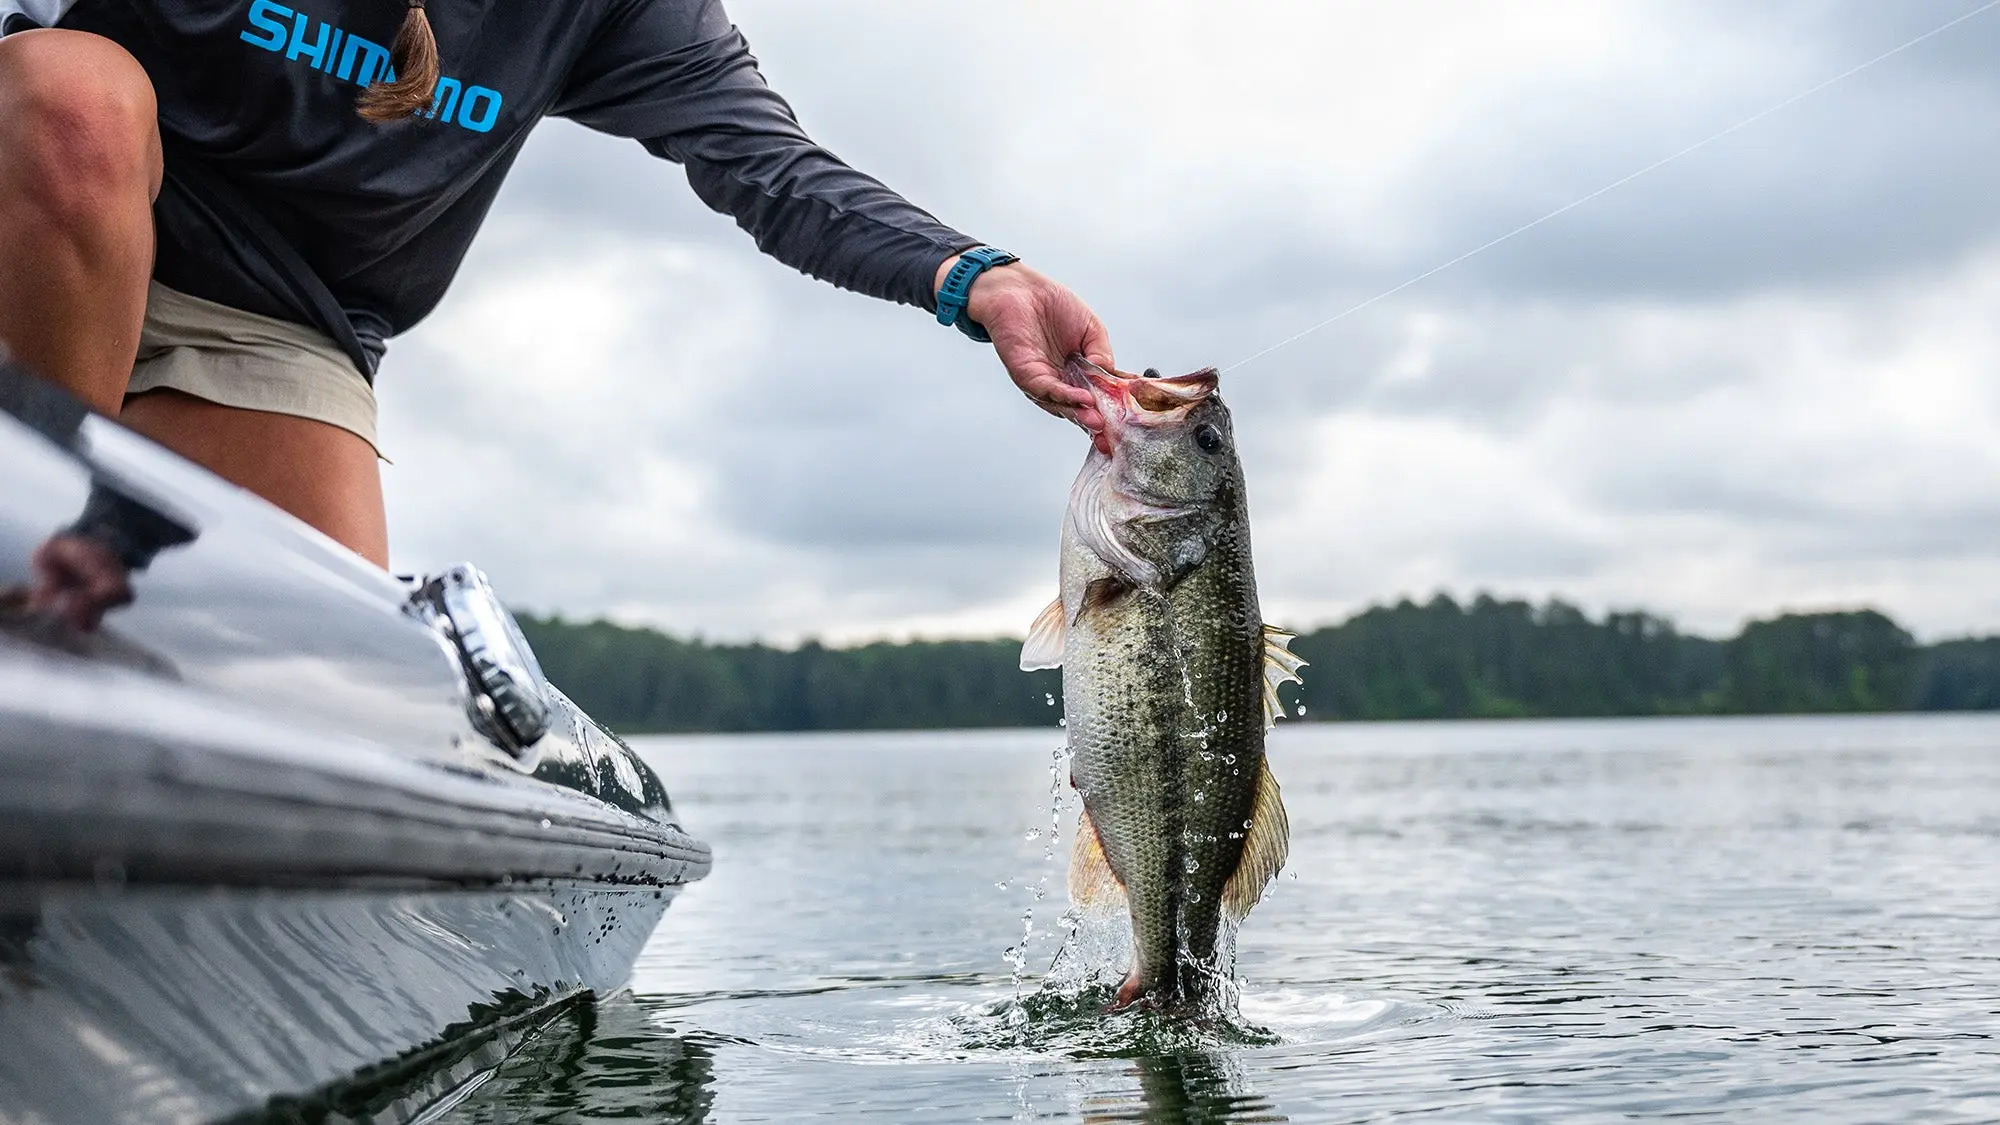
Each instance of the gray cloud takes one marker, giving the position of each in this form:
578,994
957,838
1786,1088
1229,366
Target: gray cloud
1757,377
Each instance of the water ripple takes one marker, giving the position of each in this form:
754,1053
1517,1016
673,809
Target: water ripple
1759,920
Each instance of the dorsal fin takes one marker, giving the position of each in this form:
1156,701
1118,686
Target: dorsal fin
1281,665
1265,848
1044,647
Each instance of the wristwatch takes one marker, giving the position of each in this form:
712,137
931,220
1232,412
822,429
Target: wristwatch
957,288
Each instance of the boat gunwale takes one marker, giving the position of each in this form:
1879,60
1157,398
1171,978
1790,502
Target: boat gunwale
93,787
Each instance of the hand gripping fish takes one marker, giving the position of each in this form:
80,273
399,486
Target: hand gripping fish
1170,680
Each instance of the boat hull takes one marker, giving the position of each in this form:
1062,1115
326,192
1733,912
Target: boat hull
263,845
172,1005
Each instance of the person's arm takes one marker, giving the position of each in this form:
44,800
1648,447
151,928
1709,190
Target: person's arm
680,79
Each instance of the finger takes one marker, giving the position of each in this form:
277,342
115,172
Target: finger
1045,383
1083,408
1069,402
1055,408
1097,345
1084,415
1072,396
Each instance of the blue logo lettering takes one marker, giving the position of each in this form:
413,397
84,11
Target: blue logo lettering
445,100
299,49
374,59
267,17
471,117
351,58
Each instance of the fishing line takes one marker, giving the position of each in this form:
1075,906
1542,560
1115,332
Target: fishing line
1619,183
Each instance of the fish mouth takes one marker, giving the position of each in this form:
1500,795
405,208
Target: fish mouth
1141,400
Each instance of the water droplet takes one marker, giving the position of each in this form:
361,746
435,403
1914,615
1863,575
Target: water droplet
545,822
1246,824
1002,884
1050,698
1062,722
1222,716
1302,710
1034,834
1230,758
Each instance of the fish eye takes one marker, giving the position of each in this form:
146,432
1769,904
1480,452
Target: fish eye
1151,373
1208,438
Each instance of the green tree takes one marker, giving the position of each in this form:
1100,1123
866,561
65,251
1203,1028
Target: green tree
1960,675
641,680
1497,659
1438,659
1816,662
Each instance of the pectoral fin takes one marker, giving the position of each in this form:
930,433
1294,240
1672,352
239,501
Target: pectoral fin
1264,849
1044,648
1092,885
1281,665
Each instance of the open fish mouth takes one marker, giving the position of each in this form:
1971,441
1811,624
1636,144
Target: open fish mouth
1147,399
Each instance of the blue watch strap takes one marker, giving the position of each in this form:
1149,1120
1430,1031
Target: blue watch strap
957,288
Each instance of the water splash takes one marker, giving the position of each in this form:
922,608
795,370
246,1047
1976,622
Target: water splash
1065,1013
1016,955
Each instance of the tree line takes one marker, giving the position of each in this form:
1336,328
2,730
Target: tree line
1439,659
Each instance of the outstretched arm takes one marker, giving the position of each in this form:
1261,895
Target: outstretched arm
679,78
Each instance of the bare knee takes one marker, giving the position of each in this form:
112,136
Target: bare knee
79,127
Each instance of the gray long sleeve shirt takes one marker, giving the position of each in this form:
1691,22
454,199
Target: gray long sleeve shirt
280,200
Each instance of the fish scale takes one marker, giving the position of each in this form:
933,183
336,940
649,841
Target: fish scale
1166,676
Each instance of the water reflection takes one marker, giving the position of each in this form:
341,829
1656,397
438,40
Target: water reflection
596,1060
84,569
1188,1089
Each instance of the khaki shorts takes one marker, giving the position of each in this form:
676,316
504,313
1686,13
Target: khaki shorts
253,362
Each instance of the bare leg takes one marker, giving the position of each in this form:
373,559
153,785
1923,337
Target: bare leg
317,472
79,168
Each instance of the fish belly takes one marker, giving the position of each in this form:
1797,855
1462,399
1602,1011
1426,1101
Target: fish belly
1166,735
1221,638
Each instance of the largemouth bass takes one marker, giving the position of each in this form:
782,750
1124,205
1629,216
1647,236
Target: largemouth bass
1170,680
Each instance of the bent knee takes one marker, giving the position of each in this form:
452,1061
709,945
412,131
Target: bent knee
79,126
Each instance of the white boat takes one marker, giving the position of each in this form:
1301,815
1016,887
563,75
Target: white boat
283,827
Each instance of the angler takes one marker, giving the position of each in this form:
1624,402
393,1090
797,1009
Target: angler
215,214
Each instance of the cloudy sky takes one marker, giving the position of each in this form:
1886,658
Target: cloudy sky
1765,376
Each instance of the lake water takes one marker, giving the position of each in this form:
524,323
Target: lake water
1746,920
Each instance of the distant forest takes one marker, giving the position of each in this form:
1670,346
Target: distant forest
1437,660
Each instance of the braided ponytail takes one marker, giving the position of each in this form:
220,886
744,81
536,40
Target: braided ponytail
414,56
